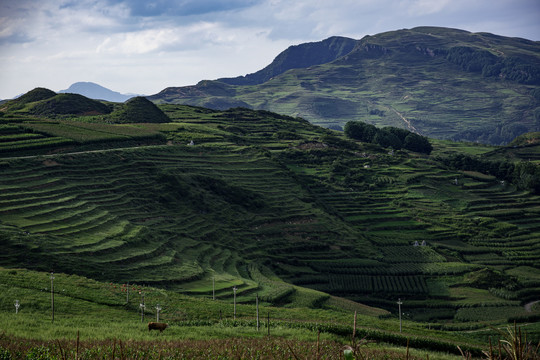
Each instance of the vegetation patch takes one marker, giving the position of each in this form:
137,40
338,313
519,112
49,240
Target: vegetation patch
63,104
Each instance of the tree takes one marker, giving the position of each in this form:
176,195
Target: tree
387,139
418,143
400,133
527,176
360,131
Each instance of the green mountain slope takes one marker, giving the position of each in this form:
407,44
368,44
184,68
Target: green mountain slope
276,206
299,56
439,82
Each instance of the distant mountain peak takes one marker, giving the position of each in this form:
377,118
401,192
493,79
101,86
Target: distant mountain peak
96,91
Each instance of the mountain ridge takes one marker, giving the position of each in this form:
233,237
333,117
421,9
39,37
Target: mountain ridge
446,83
298,56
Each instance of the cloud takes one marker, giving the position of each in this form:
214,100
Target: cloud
425,7
196,36
161,39
138,45
148,8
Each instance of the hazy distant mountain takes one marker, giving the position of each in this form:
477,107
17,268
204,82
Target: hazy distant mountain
440,82
95,91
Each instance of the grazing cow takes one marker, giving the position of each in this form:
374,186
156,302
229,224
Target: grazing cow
157,326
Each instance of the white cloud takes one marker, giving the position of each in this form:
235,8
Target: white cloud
425,7
137,42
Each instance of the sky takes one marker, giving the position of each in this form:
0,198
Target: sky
144,46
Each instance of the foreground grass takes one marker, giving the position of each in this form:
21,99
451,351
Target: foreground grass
232,348
114,335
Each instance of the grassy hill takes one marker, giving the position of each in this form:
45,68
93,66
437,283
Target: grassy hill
443,83
138,110
273,206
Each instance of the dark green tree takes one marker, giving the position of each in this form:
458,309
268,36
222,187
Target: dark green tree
418,143
360,131
387,139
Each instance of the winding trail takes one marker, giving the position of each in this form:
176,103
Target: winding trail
408,122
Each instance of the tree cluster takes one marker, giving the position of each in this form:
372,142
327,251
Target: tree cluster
525,175
492,134
521,70
393,137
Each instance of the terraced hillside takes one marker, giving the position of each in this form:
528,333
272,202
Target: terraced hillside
275,206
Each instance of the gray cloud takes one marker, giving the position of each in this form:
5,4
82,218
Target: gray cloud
184,7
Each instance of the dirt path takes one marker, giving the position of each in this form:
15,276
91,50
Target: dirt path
529,306
408,122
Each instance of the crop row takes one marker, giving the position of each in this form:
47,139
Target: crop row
18,137
37,143
378,284
377,268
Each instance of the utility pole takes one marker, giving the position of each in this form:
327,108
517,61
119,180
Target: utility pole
234,291
399,309
214,288
158,309
142,306
52,295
